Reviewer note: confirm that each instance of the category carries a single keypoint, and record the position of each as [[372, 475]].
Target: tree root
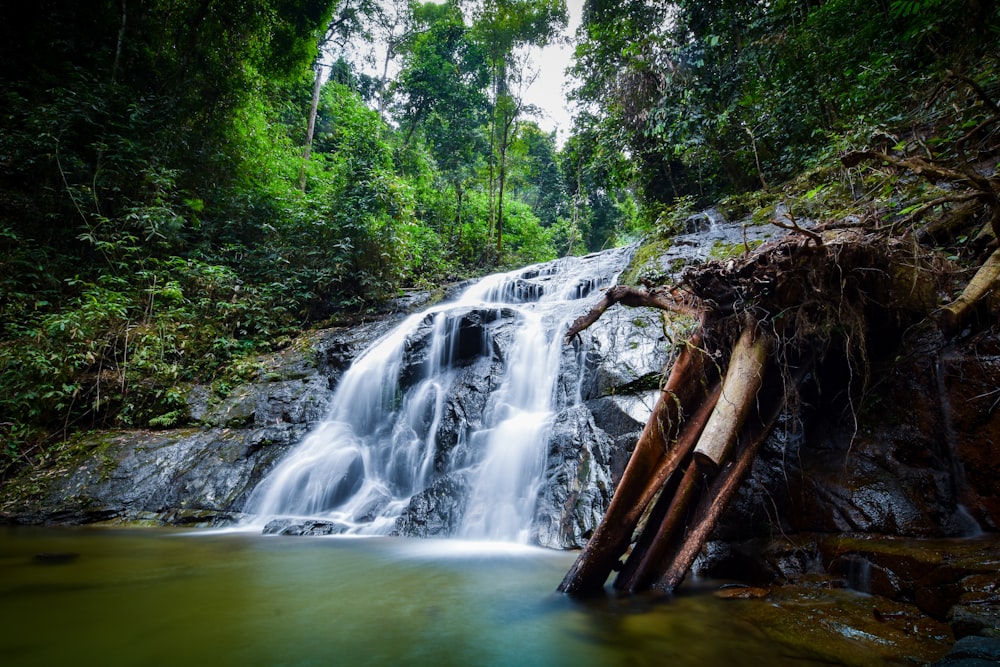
[[793, 299], [664, 299]]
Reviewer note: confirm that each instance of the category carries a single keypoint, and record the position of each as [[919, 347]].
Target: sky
[[549, 90]]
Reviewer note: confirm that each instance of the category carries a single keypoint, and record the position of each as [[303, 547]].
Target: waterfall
[[380, 445]]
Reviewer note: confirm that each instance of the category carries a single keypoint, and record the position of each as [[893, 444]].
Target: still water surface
[[156, 597]]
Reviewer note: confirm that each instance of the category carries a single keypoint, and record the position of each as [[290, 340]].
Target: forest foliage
[[187, 183]]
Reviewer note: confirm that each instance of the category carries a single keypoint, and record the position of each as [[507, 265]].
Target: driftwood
[[684, 390], [691, 432], [668, 498], [952, 317]]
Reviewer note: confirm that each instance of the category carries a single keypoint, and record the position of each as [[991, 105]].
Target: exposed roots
[[825, 296], [773, 314]]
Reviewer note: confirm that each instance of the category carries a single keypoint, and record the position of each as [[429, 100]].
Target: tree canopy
[[169, 209]]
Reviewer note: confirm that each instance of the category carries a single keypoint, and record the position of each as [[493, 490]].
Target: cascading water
[[379, 445]]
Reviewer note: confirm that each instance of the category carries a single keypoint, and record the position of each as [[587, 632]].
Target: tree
[[345, 23], [506, 28], [440, 96], [731, 95], [536, 178]]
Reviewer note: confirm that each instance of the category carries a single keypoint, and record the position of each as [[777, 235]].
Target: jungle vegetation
[[185, 184]]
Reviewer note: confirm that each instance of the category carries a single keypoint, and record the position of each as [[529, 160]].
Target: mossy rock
[[645, 263]]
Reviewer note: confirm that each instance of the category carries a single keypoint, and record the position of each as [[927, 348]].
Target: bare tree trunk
[[952, 317], [311, 126], [118, 47], [739, 394], [718, 432], [643, 563], [718, 496], [684, 390]]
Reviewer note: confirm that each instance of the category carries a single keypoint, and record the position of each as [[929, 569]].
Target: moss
[[648, 382], [723, 250], [754, 207], [644, 264]]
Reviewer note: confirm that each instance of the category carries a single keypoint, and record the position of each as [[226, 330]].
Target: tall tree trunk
[[118, 47], [311, 126]]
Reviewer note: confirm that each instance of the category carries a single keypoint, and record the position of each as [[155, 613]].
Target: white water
[[377, 447]]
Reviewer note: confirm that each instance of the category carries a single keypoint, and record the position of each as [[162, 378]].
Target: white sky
[[549, 90]]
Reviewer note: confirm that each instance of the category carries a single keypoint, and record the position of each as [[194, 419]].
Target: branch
[[793, 226], [953, 316], [933, 172], [917, 165], [927, 206], [660, 298], [986, 99]]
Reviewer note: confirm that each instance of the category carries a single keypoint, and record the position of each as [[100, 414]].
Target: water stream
[[379, 445]]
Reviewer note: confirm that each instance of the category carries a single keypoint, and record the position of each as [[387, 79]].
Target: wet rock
[[577, 487], [294, 385], [623, 347], [436, 511], [968, 390], [838, 626], [741, 592], [308, 527], [150, 476], [622, 417], [703, 221], [935, 575], [760, 561], [464, 406], [972, 652], [888, 470], [977, 611], [372, 507], [472, 337]]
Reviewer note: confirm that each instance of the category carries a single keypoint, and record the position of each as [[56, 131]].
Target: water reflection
[[155, 597]]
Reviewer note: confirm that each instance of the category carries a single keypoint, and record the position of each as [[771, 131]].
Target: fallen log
[[728, 414], [641, 568], [682, 474], [676, 458], [718, 496], [739, 392], [952, 317], [684, 390]]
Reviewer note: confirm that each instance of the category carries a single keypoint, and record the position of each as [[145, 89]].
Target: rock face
[[918, 459]]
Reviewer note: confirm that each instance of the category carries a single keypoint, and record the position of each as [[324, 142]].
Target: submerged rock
[[311, 527], [972, 652]]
